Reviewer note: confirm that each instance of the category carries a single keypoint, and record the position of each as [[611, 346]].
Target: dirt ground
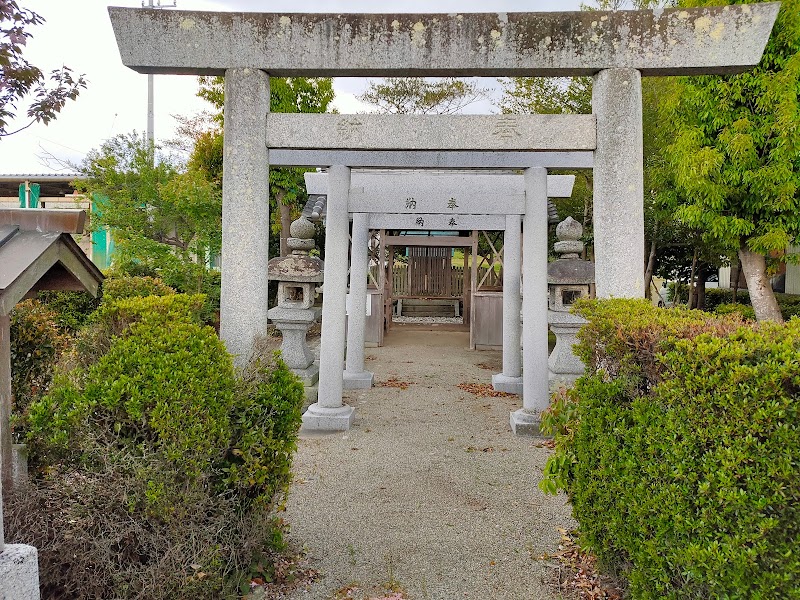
[[429, 494]]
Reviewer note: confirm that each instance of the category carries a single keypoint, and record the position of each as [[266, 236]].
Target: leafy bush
[[682, 468], [746, 312], [183, 277], [36, 344], [152, 463], [116, 288], [788, 303], [72, 308]]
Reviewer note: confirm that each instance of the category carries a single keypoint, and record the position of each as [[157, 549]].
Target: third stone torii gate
[[616, 48]]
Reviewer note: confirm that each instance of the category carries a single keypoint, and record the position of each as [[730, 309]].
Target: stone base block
[[525, 423], [320, 418], [557, 380], [504, 383], [358, 381], [309, 376], [19, 573], [19, 465], [312, 391]]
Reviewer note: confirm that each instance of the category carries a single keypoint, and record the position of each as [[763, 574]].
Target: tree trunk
[[735, 272], [690, 300], [651, 262], [286, 221], [700, 289], [761, 295]]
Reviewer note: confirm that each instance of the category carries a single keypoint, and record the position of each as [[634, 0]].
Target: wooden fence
[[401, 284]]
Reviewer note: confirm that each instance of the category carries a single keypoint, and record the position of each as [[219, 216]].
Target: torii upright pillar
[[535, 386], [328, 413], [355, 376]]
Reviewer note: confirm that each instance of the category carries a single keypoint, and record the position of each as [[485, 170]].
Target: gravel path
[[429, 489]]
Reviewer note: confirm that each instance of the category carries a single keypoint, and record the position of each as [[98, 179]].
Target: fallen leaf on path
[[483, 390], [395, 383]]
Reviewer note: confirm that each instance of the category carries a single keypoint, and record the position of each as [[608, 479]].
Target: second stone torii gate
[[497, 187], [433, 196]]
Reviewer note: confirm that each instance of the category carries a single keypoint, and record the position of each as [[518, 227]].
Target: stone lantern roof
[[298, 266]]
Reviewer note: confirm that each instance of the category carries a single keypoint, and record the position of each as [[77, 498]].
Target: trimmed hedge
[[36, 344], [680, 451], [152, 461], [788, 303]]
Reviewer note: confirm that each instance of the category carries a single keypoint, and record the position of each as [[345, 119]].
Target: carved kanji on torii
[[616, 48]]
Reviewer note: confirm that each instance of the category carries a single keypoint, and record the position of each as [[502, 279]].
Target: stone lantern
[[569, 278], [298, 275]]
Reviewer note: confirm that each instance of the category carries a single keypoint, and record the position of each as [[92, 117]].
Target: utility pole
[[150, 112]]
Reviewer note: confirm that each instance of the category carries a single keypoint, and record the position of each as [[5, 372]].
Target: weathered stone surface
[[293, 324], [245, 212], [417, 193], [525, 422], [328, 413], [355, 376], [535, 395], [423, 159], [510, 380], [320, 418], [300, 131], [558, 186], [509, 385], [618, 184], [437, 222], [19, 573], [563, 364], [296, 268], [724, 39]]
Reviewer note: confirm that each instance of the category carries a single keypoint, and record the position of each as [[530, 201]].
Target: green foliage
[[154, 460], [118, 288], [153, 209], [266, 419], [36, 345], [418, 95], [788, 303], [547, 95], [164, 381], [745, 312], [21, 78], [734, 155], [287, 95], [166, 223], [72, 309], [679, 451]]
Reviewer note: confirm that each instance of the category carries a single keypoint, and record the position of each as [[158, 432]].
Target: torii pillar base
[[524, 422], [358, 381], [504, 383], [320, 418]]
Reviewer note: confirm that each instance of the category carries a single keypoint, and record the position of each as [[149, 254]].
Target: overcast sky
[[78, 33]]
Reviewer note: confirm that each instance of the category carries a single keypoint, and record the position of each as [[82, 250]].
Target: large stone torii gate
[[616, 48]]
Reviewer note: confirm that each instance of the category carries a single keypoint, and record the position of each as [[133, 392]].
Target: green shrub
[[788, 303], [683, 471], [114, 317], [182, 277], [36, 345], [152, 463], [72, 308], [116, 288], [744, 311], [266, 417]]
